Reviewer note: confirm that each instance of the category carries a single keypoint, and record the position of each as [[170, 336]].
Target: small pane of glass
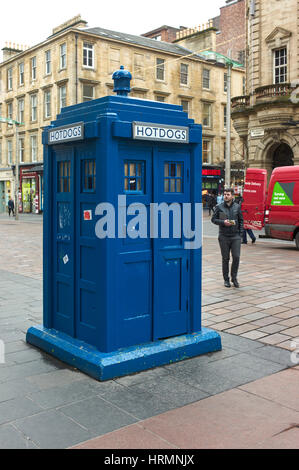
[[179, 186], [173, 169], [132, 169]]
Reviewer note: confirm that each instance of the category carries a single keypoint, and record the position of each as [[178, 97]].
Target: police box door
[[63, 240], [171, 260]]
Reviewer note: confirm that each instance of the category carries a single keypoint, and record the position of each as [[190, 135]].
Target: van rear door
[[283, 202], [254, 198]]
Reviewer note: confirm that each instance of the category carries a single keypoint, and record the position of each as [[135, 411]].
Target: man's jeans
[[230, 245]]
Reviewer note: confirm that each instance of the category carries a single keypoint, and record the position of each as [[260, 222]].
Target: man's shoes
[[244, 243], [235, 283], [253, 241], [227, 284]]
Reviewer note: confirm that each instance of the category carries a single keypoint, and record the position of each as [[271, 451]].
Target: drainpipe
[[76, 66]]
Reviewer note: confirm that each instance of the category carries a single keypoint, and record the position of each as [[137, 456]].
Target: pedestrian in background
[[250, 233], [220, 199], [11, 207], [228, 216], [212, 202]]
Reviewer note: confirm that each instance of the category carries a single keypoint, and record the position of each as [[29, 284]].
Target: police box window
[[134, 177], [160, 69], [64, 177], [88, 176], [173, 177]]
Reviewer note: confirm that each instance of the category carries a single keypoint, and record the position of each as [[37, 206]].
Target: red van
[[281, 202], [254, 198]]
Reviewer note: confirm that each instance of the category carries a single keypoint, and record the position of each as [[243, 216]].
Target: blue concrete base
[[106, 366]]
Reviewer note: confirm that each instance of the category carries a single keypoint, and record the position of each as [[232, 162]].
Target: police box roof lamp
[[122, 79]]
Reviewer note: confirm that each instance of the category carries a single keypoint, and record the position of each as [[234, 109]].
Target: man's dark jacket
[[11, 204], [225, 212]]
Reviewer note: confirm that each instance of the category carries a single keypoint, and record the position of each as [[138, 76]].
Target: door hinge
[[187, 265], [187, 305]]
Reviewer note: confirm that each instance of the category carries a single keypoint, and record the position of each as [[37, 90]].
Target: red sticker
[[87, 215]]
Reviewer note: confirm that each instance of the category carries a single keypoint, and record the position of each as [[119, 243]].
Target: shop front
[[6, 189], [31, 185], [212, 181]]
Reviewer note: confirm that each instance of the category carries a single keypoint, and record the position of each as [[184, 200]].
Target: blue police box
[[120, 298]]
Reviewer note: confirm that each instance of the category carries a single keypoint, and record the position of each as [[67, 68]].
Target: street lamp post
[[17, 124], [221, 59], [228, 126]]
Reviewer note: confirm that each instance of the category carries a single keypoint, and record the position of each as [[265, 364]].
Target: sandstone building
[[265, 116], [75, 64]]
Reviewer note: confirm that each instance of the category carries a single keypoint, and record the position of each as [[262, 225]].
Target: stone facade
[[76, 64], [263, 117]]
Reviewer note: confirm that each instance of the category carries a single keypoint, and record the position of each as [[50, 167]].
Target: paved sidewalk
[[245, 395]]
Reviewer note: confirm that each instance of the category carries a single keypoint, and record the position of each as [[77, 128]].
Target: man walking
[[228, 216], [11, 207]]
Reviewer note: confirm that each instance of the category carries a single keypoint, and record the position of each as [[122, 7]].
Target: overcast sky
[[29, 22]]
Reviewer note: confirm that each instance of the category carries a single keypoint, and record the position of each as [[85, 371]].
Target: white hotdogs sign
[[64, 134], [159, 132]]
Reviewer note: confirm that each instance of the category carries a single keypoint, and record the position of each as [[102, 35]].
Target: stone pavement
[[244, 396]]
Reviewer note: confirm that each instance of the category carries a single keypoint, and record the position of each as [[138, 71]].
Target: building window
[[241, 57], [64, 177], [134, 177], [9, 152], [10, 112], [225, 83], [33, 68], [33, 108], [21, 149], [48, 62], [224, 117], [160, 98], [47, 104], [1, 153], [244, 85], [62, 97], [89, 176], [206, 79], [21, 73], [63, 56], [88, 55], [280, 65], [158, 38], [160, 69], [114, 60], [184, 74], [9, 79], [185, 105], [21, 106], [33, 144], [206, 115], [88, 92], [173, 177], [139, 66], [207, 151]]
